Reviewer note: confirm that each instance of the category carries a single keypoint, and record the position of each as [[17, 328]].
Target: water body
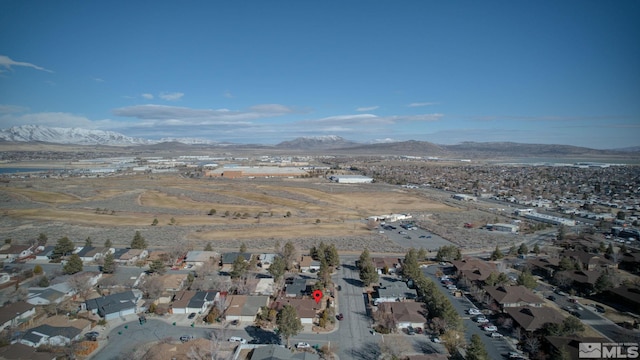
[[24, 170]]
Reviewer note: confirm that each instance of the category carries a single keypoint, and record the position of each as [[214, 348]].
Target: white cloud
[[421, 104], [99, 80], [228, 94], [174, 96], [10, 109], [368, 108], [7, 62], [147, 96], [55, 119]]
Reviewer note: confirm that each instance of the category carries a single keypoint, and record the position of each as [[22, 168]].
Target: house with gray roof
[[15, 314], [115, 305], [53, 294], [297, 288], [227, 259], [50, 335], [392, 291]]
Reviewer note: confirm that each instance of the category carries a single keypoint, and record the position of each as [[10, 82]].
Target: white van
[[237, 339]]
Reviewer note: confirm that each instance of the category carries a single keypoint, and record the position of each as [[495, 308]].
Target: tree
[[42, 239], [496, 254], [43, 282], [572, 325], [289, 254], [73, 265], [476, 349], [603, 283], [621, 215], [513, 250], [154, 222], [88, 242], [331, 254], [536, 249], [523, 249], [243, 248], [239, 268], [565, 264], [109, 264], [212, 212], [452, 339], [157, 266], [138, 241], [422, 254], [277, 268], [448, 253], [324, 274], [208, 247], [108, 244], [37, 270], [64, 247], [562, 232], [527, 280], [151, 287], [80, 283], [368, 272], [288, 322]]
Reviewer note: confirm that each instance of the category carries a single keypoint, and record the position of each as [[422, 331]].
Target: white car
[[303, 345], [237, 339], [496, 335], [482, 320], [436, 339], [473, 311], [491, 328]]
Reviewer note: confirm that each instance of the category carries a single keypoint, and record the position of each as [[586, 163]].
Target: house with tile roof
[[533, 318], [306, 308], [405, 314], [244, 308], [474, 270]]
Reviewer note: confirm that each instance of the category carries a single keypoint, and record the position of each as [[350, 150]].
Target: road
[[496, 348]]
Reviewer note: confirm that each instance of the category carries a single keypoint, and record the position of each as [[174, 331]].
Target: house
[[392, 291], [63, 321], [533, 318], [265, 260], [630, 261], [53, 294], [227, 259], [44, 252], [199, 258], [15, 252], [277, 352], [49, 335], [474, 270], [307, 264], [628, 296], [589, 261], [90, 254], [186, 302], [23, 352], [118, 253], [12, 315], [244, 308], [543, 266], [131, 256], [387, 265], [306, 308], [583, 281], [405, 314], [264, 286], [173, 282], [297, 288], [158, 255], [115, 305], [512, 296]]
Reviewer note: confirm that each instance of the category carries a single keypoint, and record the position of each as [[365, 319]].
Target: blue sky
[[562, 72]]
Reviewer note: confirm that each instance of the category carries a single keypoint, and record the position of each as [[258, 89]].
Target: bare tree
[[80, 283], [152, 286], [394, 349]]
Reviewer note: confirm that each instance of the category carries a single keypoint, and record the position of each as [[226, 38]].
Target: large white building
[[351, 179], [549, 219]]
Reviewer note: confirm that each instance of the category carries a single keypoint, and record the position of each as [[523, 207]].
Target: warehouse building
[[233, 172], [351, 179]]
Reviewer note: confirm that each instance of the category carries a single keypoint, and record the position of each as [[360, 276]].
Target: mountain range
[[78, 136]]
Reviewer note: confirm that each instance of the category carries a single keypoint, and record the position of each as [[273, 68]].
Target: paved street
[[496, 348]]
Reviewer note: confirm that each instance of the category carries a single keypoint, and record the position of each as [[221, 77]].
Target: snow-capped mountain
[[76, 136]]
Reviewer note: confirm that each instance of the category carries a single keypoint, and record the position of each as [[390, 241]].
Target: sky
[[547, 72]]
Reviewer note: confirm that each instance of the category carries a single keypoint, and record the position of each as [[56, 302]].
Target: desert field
[[193, 212]]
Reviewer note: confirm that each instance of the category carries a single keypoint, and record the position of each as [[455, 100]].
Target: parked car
[[303, 345], [419, 330], [600, 308], [92, 336], [496, 335], [491, 328], [185, 338], [237, 339], [482, 320], [340, 316], [473, 311], [411, 330], [551, 297], [191, 316], [436, 339]]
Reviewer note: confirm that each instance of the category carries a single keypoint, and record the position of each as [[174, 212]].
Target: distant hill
[[316, 143], [411, 147], [523, 150], [71, 136]]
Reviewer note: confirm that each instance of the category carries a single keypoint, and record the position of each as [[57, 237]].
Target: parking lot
[[416, 238]]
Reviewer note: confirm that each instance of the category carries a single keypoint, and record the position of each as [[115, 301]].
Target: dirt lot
[[258, 212]]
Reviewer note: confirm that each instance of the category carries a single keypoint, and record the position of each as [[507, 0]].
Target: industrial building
[[233, 172], [464, 197], [510, 228], [351, 179], [555, 220]]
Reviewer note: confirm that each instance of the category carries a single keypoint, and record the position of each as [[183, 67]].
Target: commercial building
[[351, 179], [510, 228], [233, 172]]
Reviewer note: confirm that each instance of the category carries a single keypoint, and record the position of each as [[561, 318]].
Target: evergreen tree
[[523, 249], [476, 349], [422, 254], [138, 241], [603, 283], [88, 242], [239, 268], [243, 248], [208, 247], [562, 232], [513, 250], [277, 268], [108, 244], [42, 239], [73, 265], [289, 254], [157, 267], [526, 279], [368, 272], [109, 264], [536, 249], [64, 247], [496, 254], [288, 322], [331, 254]]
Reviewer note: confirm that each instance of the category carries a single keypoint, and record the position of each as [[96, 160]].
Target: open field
[[259, 212]]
